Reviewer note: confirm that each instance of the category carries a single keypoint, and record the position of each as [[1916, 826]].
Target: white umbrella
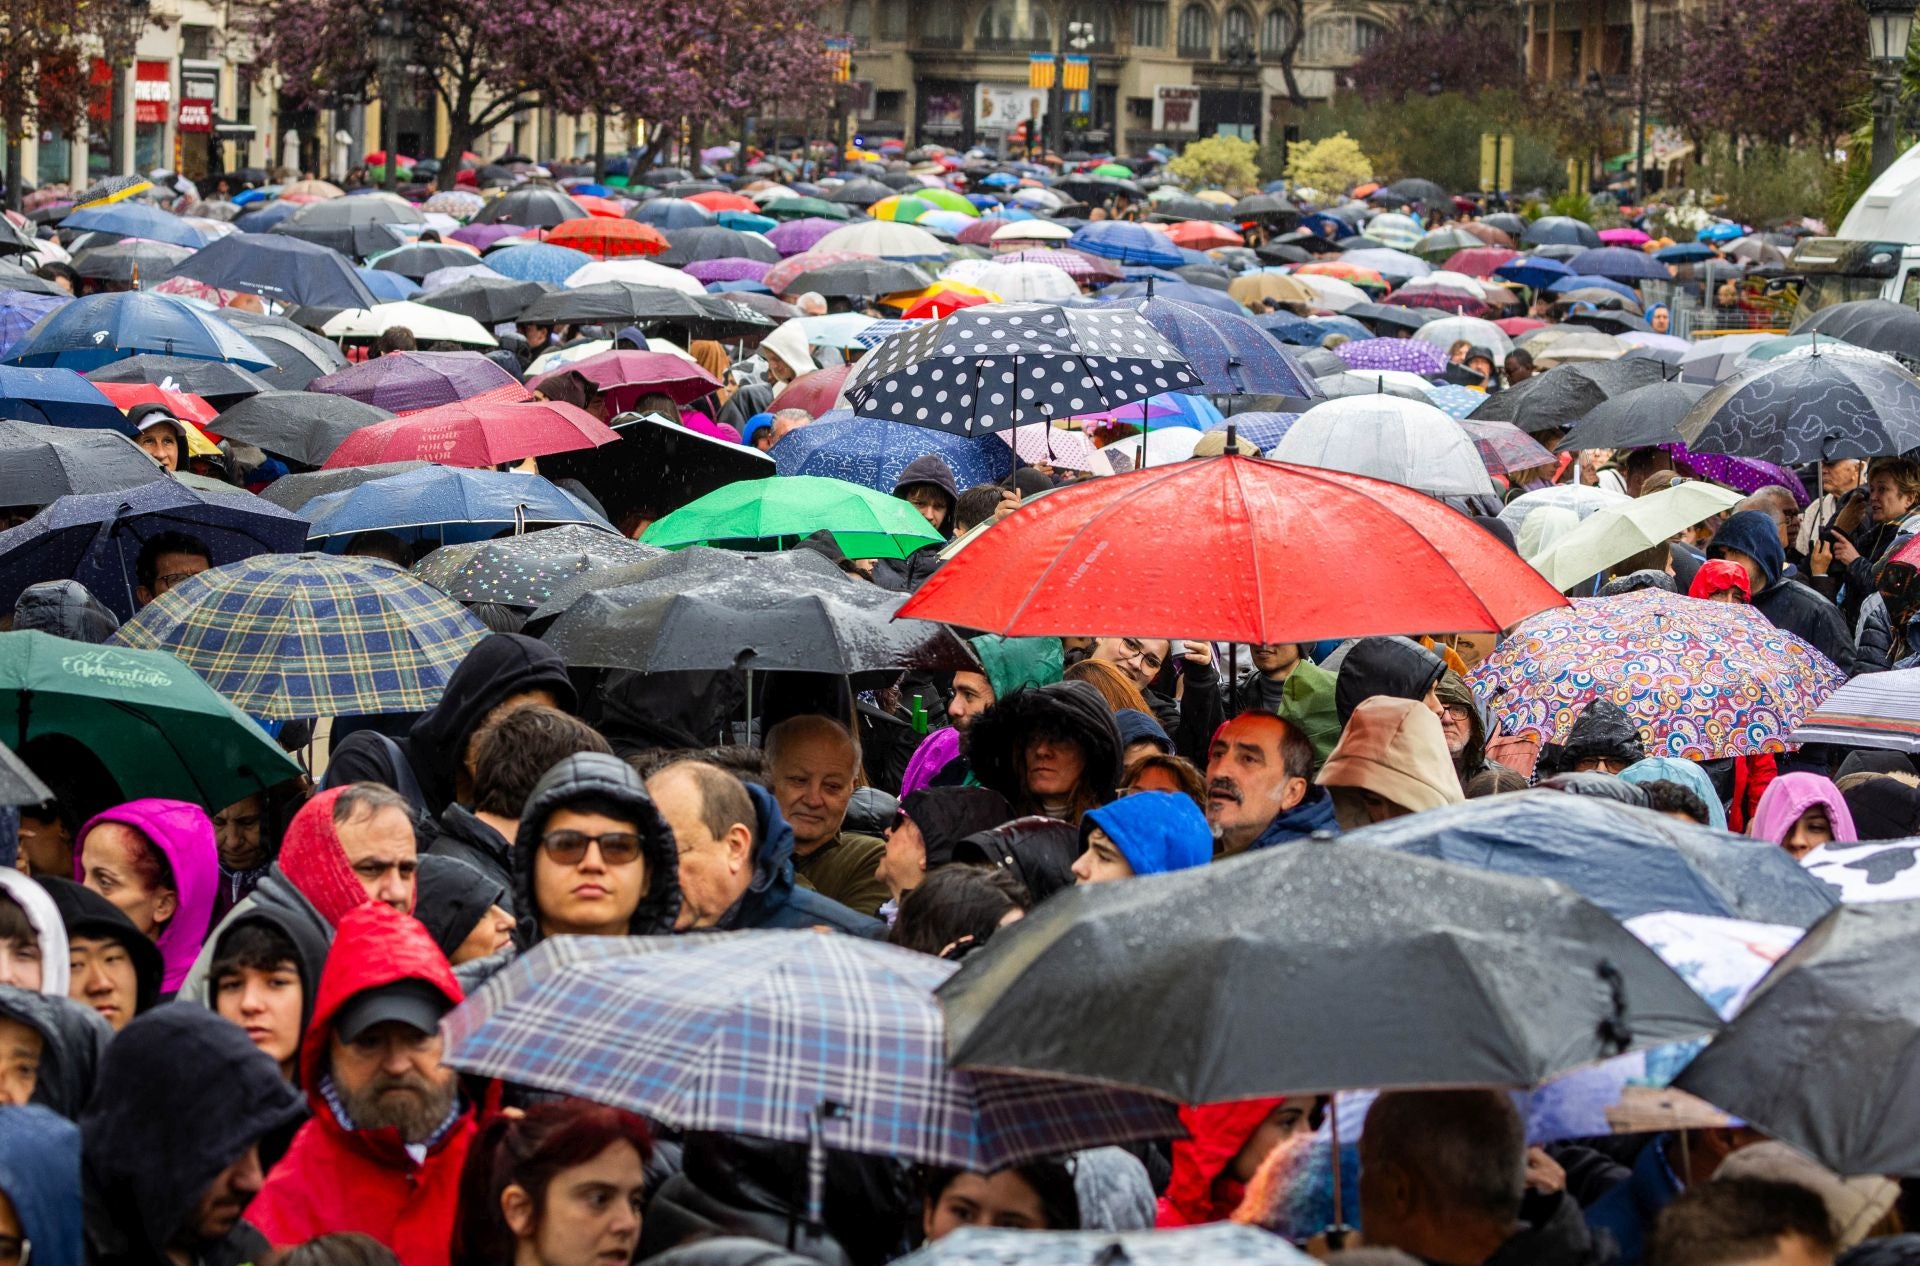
[[1450, 330], [1165, 445], [1394, 229], [1389, 382], [1573, 348], [1582, 499], [1441, 279], [1027, 281], [965, 270], [1623, 529], [1032, 231], [639, 272], [884, 238], [1332, 293], [1403, 441], [427, 324]]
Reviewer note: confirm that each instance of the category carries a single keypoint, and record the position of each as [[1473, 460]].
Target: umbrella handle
[[817, 1163], [1615, 1031]]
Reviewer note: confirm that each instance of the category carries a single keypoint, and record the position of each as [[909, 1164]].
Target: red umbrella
[[1514, 327], [814, 392], [181, 404], [607, 239], [624, 376], [606, 207], [980, 232], [946, 303], [717, 201], [474, 433], [1203, 235], [1252, 564], [1479, 261]]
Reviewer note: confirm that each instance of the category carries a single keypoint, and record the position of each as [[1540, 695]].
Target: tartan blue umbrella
[[538, 261], [309, 635], [20, 312], [442, 503], [136, 219], [1231, 355], [1619, 264], [104, 328], [1128, 243], [279, 267], [1534, 271], [1264, 429], [95, 538], [58, 397], [873, 452], [755, 1033]]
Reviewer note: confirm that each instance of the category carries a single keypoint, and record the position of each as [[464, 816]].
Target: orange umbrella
[[716, 201], [607, 239], [944, 303], [1361, 191], [1203, 235], [1346, 272]]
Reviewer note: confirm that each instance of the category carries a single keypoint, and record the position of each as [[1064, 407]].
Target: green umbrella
[[1113, 169], [947, 200], [801, 208], [158, 728], [776, 513]]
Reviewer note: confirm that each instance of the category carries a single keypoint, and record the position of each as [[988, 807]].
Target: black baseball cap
[[414, 1003]]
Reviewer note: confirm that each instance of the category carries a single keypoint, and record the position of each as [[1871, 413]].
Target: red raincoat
[[1200, 1189], [334, 1179]]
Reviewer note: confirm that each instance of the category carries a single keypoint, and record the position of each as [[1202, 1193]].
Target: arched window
[[1196, 31], [1236, 30], [1366, 33], [1275, 33], [1341, 38], [1098, 15], [1007, 23]]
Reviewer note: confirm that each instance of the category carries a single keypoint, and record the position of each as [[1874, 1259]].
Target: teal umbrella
[[776, 513]]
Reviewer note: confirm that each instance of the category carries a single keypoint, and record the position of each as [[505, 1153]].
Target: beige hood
[[1395, 749]]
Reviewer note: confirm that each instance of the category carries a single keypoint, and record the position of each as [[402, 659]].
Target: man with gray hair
[[787, 420], [812, 303], [814, 765], [1444, 1177]]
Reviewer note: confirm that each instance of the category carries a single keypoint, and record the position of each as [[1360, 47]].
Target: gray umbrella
[[290, 492], [1823, 1053], [18, 784], [41, 463], [488, 300], [1835, 403], [1218, 1244], [214, 381], [713, 241], [302, 426], [1636, 419], [1566, 393], [1314, 967], [860, 277]]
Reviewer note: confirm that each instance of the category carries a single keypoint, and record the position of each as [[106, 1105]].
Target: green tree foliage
[[1220, 162], [1439, 137], [1331, 164]]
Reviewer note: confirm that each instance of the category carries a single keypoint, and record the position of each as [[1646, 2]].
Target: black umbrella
[[39, 464], [860, 193], [215, 381], [358, 239], [713, 610], [1173, 210], [290, 492], [1879, 325], [488, 300], [415, 260], [1312, 243], [129, 260], [1822, 1054], [1317, 967], [1636, 419], [1008, 364], [861, 277], [687, 188], [1561, 230], [1096, 189], [1610, 321], [1211, 276], [1507, 222], [662, 176], [521, 571], [1282, 253], [1414, 189], [13, 277], [1264, 206], [685, 246], [533, 208], [279, 267], [1392, 316], [302, 426], [1566, 393], [298, 355], [18, 784], [1835, 403], [657, 467], [704, 316]]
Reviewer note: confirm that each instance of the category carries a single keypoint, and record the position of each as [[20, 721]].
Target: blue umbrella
[[1532, 271], [1232, 355], [20, 312], [136, 219], [265, 218], [58, 397], [1340, 324], [538, 261], [1454, 400], [1560, 230], [1184, 290], [593, 190], [279, 267], [1620, 264], [1562, 285], [1128, 243], [672, 213], [247, 197], [1686, 253], [1000, 180], [104, 328], [1326, 224], [1263, 429], [1722, 232], [385, 286], [442, 503], [746, 221], [95, 538], [1139, 273], [1294, 330], [738, 287], [873, 452]]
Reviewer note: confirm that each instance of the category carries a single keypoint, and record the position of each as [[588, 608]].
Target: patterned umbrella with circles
[[1008, 364], [1406, 354]]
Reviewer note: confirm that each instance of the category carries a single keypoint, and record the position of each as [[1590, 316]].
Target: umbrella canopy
[[873, 453], [308, 635], [1127, 243], [1636, 419], [854, 277], [39, 464], [658, 466], [1229, 354], [1085, 557], [1702, 680], [443, 504], [487, 300], [1006, 364], [532, 208], [1618, 263], [429, 324], [1026, 281], [407, 381], [1878, 325], [1824, 406], [302, 426], [353, 226], [601, 238], [799, 236], [20, 312], [129, 260], [1873, 710], [215, 381], [416, 259], [1613, 855], [522, 571], [95, 538], [746, 1033], [886, 240], [475, 433], [1617, 532], [298, 354], [57, 397], [684, 246], [291, 492], [625, 376], [1219, 1242], [156, 726], [1503, 447], [1406, 442], [1563, 395], [671, 213], [774, 513], [1846, 1001], [135, 219], [537, 261], [102, 328], [18, 784], [1446, 332], [1561, 230], [1407, 355], [1444, 977]]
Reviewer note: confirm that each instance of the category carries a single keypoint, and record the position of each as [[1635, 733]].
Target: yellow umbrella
[[907, 298], [1278, 286]]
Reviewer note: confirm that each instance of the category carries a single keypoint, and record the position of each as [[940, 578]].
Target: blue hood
[[40, 1175], [1753, 533], [772, 899], [1677, 769], [1315, 813], [1156, 831]]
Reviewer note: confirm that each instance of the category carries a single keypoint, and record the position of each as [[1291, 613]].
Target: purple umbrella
[[481, 236], [1078, 265], [1745, 474], [403, 381], [20, 311], [730, 269], [796, 236], [1408, 354]]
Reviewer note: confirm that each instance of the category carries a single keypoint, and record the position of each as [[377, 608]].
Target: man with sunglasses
[[593, 857]]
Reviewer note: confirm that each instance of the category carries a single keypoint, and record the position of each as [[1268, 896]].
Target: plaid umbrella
[[1078, 265], [521, 571], [310, 635], [1703, 680], [1262, 428], [756, 1032], [1406, 354]]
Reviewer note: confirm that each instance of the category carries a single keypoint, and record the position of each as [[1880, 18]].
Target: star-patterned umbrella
[[1008, 364], [521, 571]]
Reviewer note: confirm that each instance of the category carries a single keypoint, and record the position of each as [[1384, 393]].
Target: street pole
[[1640, 125], [1889, 31]]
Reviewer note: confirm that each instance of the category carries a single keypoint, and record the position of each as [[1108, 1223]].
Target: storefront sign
[[152, 91], [1001, 107], [1176, 108], [196, 116]]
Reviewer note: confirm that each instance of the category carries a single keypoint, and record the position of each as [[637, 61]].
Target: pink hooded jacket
[[1790, 795], [182, 832]]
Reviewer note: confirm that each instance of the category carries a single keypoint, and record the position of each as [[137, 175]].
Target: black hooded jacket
[[997, 743], [611, 781], [73, 1039], [465, 838], [1603, 729], [947, 815], [1037, 851], [905, 575], [64, 608], [450, 897], [1397, 667], [182, 1094], [1787, 604], [500, 666], [85, 912]]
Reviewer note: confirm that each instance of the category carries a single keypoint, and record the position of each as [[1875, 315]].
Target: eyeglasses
[[1134, 648], [14, 1251], [617, 848], [163, 583]]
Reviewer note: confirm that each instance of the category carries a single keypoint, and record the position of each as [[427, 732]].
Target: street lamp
[[1889, 28], [1242, 59], [393, 49], [120, 27], [1594, 93]]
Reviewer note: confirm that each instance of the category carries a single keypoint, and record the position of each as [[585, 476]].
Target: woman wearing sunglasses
[[593, 856]]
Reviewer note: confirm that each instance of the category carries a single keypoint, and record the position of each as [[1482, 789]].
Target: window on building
[[1276, 32], [860, 21], [940, 25], [243, 81], [893, 20], [1011, 22], [1150, 24], [1236, 30], [1096, 14], [890, 105], [1196, 31], [1366, 33], [196, 42]]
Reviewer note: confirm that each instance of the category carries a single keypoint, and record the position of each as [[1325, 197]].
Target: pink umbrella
[[1624, 237], [980, 232], [476, 434], [1050, 446], [1078, 265], [485, 235], [782, 274], [626, 375], [1479, 261], [401, 381], [1406, 354]]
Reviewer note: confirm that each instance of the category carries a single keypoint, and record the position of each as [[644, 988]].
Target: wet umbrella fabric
[[291, 492], [475, 433], [532, 208], [1407, 442], [538, 261], [1879, 325], [299, 355], [657, 467], [773, 513], [39, 464], [1827, 406], [102, 328], [128, 260], [302, 426], [1565, 394], [684, 246], [488, 300], [285, 268], [444, 504], [859, 277], [1614, 855], [136, 219], [58, 397], [353, 226], [1230, 355], [214, 381], [18, 784], [624, 376], [405, 381], [874, 454], [522, 571], [1636, 419], [308, 635], [1216, 1244], [1444, 976]]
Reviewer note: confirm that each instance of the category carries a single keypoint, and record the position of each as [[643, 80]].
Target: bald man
[[814, 765]]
